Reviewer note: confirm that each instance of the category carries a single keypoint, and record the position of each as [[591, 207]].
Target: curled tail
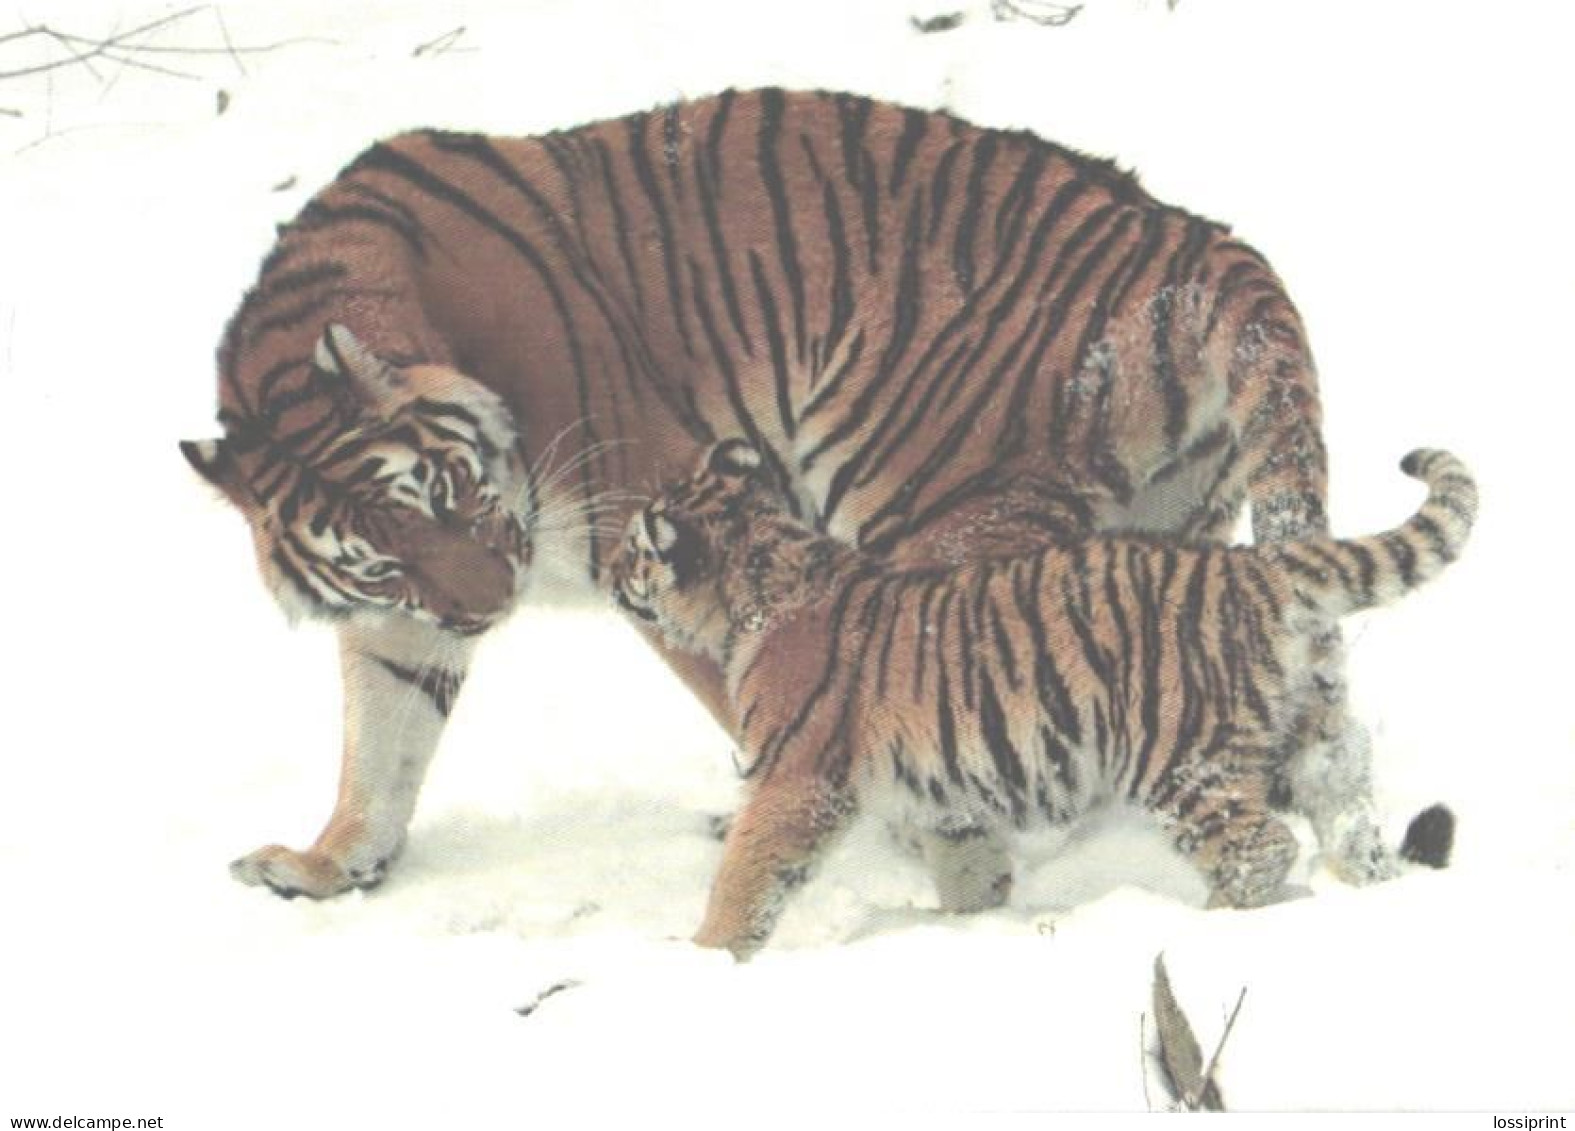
[[1333, 577]]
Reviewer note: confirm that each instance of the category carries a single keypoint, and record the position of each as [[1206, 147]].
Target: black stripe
[[640, 158], [717, 131], [709, 190], [1004, 756], [730, 383], [946, 726], [318, 215], [440, 686], [1148, 597], [841, 281], [921, 644], [1003, 646], [620, 223], [775, 344], [914, 125], [859, 167], [940, 188], [1012, 212], [1049, 685], [1403, 554], [417, 234], [771, 103], [1078, 608], [983, 156], [1435, 536]]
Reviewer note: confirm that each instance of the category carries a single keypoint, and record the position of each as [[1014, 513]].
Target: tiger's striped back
[[899, 310]]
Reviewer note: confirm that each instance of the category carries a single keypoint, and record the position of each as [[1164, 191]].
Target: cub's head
[[675, 554], [373, 488]]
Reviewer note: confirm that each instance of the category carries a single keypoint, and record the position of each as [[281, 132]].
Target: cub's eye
[[381, 570]]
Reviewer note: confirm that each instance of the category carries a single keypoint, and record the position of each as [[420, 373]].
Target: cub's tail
[[1331, 577]]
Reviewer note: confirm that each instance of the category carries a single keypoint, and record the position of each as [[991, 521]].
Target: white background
[[1405, 165]]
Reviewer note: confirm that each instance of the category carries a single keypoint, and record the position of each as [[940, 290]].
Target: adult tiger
[[945, 341]]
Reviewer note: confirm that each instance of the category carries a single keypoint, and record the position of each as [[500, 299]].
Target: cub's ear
[[735, 458], [213, 460], [377, 385]]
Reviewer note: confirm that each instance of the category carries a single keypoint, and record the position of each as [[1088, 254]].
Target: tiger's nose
[[461, 579]]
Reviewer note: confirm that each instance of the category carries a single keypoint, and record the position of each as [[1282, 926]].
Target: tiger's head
[[669, 571], [402, 490]]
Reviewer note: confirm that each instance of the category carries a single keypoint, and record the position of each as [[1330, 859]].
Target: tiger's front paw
[[289, 873], [1360, 857]]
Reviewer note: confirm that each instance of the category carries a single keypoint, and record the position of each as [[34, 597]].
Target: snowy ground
[[1407, 168]]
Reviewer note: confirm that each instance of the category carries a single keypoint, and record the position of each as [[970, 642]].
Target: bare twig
[[130, 49], [95, 48], [229, 44], [1208, 1073], [1044, 12], [535, 1003], [78, 56], [1148, 1103], [441, 45]]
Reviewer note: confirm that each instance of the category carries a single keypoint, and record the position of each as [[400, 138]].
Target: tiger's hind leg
[[400, 682], [970, 866], [1219, 817], [1329, 773], [1274, 404], [772, 848], [1327, 768]]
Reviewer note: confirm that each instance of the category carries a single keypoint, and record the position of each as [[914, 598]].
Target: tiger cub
[[1005, 692]]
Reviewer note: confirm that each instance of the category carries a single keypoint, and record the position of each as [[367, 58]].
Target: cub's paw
[[1363, 858], [289, 873]]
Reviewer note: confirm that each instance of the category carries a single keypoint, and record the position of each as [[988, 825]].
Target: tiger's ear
[[213, 460], [736, 458], [378, 385]]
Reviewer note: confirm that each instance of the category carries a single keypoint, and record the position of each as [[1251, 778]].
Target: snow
[[1406, 168]]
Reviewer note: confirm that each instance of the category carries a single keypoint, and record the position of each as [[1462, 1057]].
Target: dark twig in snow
[[229, 44], [442, 45], [1043, 12], [94, 48], [945, 21], [1230, 1023], [1148, 1103], [131, 48], [535, 1003]]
